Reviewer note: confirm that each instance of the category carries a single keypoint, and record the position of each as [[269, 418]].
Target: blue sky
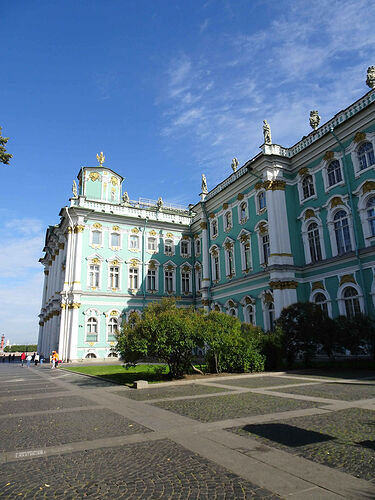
[[168, 89]]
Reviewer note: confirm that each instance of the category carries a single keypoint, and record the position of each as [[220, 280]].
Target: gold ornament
[[153, 232], [309, 213], [169, 235], [275, 185], [359, 137], [240, 196], [225, 206], [303, 171], [317, 285], [79, 228], [94, 176], [328, 156], [95, 261], [100, 157], [133, 263], [336, 201], [368, 186], [135, 230], [347, 278], [113, 313], [203, 225], [115, 228], [114, 181], [97, 225]]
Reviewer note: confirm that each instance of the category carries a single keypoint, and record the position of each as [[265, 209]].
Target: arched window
[[351, 301], [215, 264], [370, 207], [232, 312], [198, 277], [228, 220], [197, 247], [112, 328], [271, 315], [243, 213], [342, 233], [261, 200], [366, 156], [250, 314], [168, 247], [92, 330], [90, 355], [334, 173], [133, 278], [314, 242], [321, 301], [308, 187], [214, 229], [265, 241]]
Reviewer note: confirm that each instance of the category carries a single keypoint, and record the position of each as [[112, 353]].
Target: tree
[[4, 156]]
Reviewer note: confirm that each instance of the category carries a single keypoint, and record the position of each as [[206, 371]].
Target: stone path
[[66, 435]]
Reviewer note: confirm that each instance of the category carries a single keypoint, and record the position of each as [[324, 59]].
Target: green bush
[[21, 348]]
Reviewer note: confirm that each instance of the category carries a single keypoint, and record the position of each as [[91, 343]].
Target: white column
[[205, 266], [74, 326], [77, 257], [278, 229]]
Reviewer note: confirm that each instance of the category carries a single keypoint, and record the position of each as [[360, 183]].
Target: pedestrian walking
[[23, 357], [28, 360], [53, 360], [41, 359], [9, 358], [13, 358], [36, 359]]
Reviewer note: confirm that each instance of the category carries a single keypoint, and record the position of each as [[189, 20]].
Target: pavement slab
[[347, 391], [170, 392]]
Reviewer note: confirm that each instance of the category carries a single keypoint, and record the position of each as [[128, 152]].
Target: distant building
[[291, 224]]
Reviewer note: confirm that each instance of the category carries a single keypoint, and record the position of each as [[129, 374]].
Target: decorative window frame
[[186, 240], [152, 235], [112, 313], [153, 265], [333, 207], [353, 148], [324, 166], [134, 264], [94, 259], [262, 230], [306, 218], [228, 246], [215, 252], [215, 306], [170, 266], [131, 311], [135, 233], [365, 191], [92, 312], [198, 269], [302, 177], [197, 252], [229, 306], [245, 237], [267, 298], [98, 228], [214, 221], [246, 303], [186, 268], [114, 230], [228, 227], [114, 261], [341, 300], [241, 202], [169, 237], [324, 292], [258, 209]]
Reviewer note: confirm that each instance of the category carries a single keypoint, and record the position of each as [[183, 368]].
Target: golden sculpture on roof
[[100, 157]]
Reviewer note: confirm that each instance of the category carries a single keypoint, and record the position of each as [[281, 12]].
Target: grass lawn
[[125, 376]]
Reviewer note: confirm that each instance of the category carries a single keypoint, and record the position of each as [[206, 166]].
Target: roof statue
[[204, 184], [234, 164], [74, 189], [371, 77], [267, 132], [160, 202], [125, 197], [100, 158], [314, 119]]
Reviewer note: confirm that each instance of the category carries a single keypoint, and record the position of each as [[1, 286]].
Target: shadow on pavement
[[287, 435]]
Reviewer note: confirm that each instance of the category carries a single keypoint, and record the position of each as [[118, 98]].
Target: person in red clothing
[[23, 357]]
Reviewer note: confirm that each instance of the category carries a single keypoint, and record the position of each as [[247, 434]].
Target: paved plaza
[[65, 435]]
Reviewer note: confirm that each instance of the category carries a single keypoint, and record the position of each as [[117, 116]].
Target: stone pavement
[[66, 435]]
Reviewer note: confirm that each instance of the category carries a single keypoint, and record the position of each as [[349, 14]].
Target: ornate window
[[342, 233], [365, 155], [313, 237], [184, 248], [92, 330], [214, 228], [321, 301], [245, 248], [265, 245], [151, 280], [261, 201], [334, 174], [308, 187], [197, 247], [370, 208], [215, 264], [249, 314], [133, 278], [168, 247], [185, 280], [228, 220], [230, 270], [94, 275], [112, 328], [134, 242], [198, 277], [243, 212], [168, 280], [270, 311], [351, 302], [151, 244], [114, 277], [115, 240], [96, 238]]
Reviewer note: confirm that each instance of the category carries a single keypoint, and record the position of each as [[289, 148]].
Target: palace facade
[[291, 224]]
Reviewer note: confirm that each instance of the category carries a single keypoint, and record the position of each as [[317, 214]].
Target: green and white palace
[[291, 224]]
